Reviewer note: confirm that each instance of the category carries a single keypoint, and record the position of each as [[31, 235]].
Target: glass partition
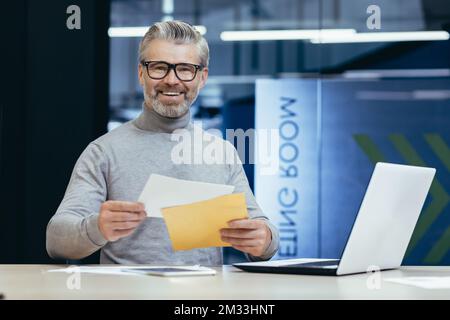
[[370, 80]]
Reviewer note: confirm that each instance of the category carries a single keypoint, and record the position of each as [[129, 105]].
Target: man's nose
[[171, 78]]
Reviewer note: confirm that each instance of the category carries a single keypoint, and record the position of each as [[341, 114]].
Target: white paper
[[97, 270], [174, 271], [423, 282], [118, 270], [161, 191]]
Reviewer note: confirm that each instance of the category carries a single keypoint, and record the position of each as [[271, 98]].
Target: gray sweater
[[116, 166]]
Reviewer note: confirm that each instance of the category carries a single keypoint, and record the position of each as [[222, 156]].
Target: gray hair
[[180, 33]]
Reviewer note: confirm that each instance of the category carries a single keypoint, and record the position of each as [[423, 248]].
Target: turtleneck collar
[[150, 120]]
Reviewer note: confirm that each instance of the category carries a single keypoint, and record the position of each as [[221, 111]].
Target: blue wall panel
[[401, 121], [344, 133]]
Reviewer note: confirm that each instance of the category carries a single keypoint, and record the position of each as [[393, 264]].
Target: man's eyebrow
[[158, 60]]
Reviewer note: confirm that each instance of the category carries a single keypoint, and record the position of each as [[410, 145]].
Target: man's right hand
[[118, 219]]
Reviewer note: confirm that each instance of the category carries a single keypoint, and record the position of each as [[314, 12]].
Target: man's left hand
[[252, 236]]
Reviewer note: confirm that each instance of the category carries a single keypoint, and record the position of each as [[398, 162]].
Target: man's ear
[[204, 77], [141, 74]]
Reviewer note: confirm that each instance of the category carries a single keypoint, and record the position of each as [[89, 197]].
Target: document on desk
[[117, 270], [423, 282], [139, 270], [174, 271], [161, 191], [197, 225]]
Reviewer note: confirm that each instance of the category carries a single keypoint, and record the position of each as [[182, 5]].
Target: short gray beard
[[169, 111]]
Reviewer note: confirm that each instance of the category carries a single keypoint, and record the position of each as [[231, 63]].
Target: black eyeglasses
[[158, 70]]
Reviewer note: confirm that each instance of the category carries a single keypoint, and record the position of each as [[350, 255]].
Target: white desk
[[34, 282]]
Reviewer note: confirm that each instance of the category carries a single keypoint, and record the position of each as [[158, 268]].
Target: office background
[[384, 99]]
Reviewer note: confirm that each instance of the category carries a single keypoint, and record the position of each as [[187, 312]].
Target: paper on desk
[[161, 191], [97, 270], [423, 282], [197, 225], [116, 270]]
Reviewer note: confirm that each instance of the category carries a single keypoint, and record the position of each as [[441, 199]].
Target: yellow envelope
[[197, 225]]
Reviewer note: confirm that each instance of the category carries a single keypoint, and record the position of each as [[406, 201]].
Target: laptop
[[382, 229]]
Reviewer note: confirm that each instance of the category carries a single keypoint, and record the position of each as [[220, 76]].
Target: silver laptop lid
[[387, 217]]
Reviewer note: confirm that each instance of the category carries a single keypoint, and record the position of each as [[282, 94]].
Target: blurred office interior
[[377, 90]]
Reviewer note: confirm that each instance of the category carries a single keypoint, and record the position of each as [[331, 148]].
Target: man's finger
[[124, 206], [142, 215], [123, 233], [241, 233], [122, 216], [243, 242], [246, 223], [125, 225]]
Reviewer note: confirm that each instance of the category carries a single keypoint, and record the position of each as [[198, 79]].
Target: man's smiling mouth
[[170, 93]]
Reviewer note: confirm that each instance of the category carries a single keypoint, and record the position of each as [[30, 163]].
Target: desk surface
[[34, 282]]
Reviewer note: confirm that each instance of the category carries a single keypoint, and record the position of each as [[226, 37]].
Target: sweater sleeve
[[239, 179], [72, 232]]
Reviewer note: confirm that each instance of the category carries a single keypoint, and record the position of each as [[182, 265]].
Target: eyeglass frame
[[172, 66]]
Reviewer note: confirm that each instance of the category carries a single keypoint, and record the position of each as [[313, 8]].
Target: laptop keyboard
[[317, 264]]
